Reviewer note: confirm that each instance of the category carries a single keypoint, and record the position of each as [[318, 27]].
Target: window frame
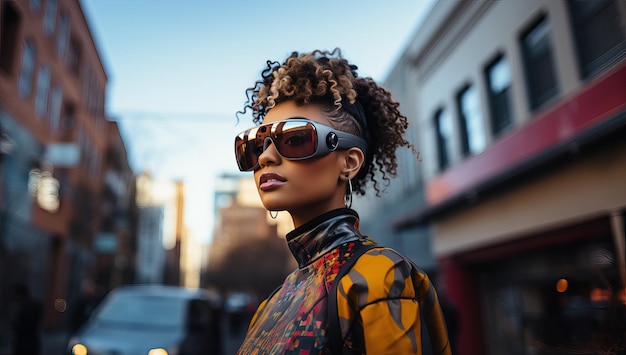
[[472, 142], [580, 28], [56, 105], [49, 17], [499, 123], [63, 36], [27, 69], [42, 91], [444, 144], [532, 74]]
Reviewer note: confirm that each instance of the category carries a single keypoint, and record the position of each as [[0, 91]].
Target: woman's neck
[[302, 215]]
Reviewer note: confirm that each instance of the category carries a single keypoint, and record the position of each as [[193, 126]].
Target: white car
[[151, 320]]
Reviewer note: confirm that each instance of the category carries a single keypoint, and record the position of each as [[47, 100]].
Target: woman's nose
[[270, 155]]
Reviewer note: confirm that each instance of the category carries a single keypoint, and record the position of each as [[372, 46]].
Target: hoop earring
[[347, 198], [273, 214]]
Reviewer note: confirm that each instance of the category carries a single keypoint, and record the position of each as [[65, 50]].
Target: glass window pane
[[141, 310], [63, 36], [538, 63], [25, 81], [49, 19], [443, 126], [472, 120], [43, 86], [73, 56], [499, 82], [56, 99], [599, 33], [499, 76]]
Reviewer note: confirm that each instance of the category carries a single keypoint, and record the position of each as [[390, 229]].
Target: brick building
[[64, 175]]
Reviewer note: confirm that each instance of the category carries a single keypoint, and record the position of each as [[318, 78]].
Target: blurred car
[[239, 302], [239, 307], [151, 320]]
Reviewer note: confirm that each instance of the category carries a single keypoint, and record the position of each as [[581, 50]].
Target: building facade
[[54, 138], [115, 244], [519, 111], [242, 223], [161, 234]]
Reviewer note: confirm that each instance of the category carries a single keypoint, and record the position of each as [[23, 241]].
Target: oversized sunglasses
[[294, 139]]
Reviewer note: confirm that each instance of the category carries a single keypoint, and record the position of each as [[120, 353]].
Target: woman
[[324, 133]]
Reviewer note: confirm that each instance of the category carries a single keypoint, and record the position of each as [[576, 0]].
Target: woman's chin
[[273, 206]]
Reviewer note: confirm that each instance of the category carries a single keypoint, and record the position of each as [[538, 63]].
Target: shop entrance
[[560, 299]]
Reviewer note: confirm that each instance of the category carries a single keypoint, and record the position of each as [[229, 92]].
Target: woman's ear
[[353, 160]]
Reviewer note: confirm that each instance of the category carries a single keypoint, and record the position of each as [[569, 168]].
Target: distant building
[[519, 111], [54, 139], [160, 230], [240, 214], [240, 217], [150, 253]]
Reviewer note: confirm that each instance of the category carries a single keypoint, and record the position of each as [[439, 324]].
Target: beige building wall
[[452, 51], [588, 188], [481, 31]]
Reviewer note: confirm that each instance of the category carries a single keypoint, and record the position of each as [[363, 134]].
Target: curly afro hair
[[327, 79]]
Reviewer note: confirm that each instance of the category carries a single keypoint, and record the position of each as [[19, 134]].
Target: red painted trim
[[462, 290], [594, 104]]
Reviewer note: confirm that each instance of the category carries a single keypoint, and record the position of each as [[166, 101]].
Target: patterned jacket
[[378, 301]]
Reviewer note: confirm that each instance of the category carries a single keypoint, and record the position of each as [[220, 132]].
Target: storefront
[[554, 291], [23, 247]]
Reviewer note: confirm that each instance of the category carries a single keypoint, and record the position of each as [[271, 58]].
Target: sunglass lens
[[292, 139], [296, 142], [247, 153]]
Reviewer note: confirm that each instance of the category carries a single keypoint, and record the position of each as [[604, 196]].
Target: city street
[[55, 343]]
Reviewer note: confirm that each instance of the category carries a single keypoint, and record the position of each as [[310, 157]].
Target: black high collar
[[317, 236]]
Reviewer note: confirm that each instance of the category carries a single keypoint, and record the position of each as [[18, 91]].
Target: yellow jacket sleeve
[[379, 304]]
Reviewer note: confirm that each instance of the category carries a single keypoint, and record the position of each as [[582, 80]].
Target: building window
[[599, 34], [67, 120], [470, 122], [443, 130], [35, 5], [43, 86], [25, 81], [49, 17], [56, 103], [86, 76], [539, 64], [9, 24], [73, 56], [63, 35], [498, 75]]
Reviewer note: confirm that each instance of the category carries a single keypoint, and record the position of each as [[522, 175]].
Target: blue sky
[[178, 70]]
